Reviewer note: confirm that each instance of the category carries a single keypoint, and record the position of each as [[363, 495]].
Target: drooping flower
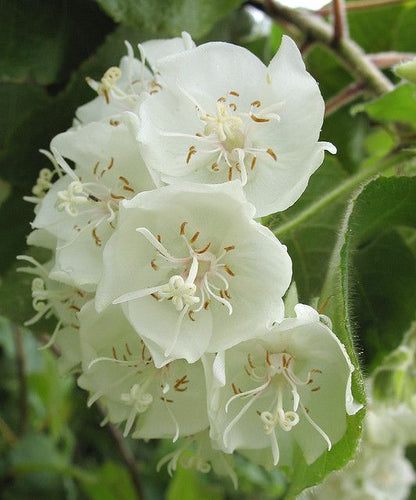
[[293, 384], [119, 371], [225, 116], [80, 208], [193, 271], [122, 87]]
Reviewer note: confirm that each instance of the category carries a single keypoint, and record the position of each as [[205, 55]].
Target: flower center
[[228, 128], [277, 379]]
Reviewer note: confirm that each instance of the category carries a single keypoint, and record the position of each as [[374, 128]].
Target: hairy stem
[[396, 159], [350, 54], [340, 21], [344, 97]]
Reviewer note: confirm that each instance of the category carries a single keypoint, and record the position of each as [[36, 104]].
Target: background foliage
[[51, 445]]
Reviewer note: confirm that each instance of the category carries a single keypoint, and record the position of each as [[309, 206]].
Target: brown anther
[[110, 165], [128, 349], [112, 225], [272, 154], [191, 152], [227, 294], [96, 238], [181, 381], [194, 237], [214, 167], [93, 198], [229, 248], [233, 92], [221, 99], [315, 389], [114, 123], [237, 166], [191, 315], [233, 106], [250, 361], [114, 353], [124, 357], [253, 162], [124, 179], [106, 96], [235, 389], [268, 358], [198, 134], [256, 104], [154, 265], [228, 270], [81, 294], [206, 304], [203, 250], [143, 351], [155, 296], [182, 230], [94, 170], [257, 119], [230, 173], [74, 308], [153, 92], [307, 410], [258, 413], [221, 294], [310, 381], [117, 196], [64, 301], [159, 238], [166, 400], [74, 326], [247, 371], [128, 188], [316, 370]]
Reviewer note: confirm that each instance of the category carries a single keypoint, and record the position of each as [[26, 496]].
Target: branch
[[362, 5], [389, 59], [344, 97], [350, 54], [21, 373], [340, 21]]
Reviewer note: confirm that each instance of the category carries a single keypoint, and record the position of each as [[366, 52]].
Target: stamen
[[258, 119], [182, 230], [194, 237], [271, 153], [228, 270]]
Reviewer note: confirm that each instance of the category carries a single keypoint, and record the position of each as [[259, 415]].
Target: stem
[[125, 453], [340, 21], [21, 372], [394, 159], [344, 97], [388, 59], [350, 54], [361, 5]]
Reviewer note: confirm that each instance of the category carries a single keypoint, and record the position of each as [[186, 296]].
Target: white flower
[[292, 384], [193, 271], [119, 371], [224, 116], [122, 87], [80, 208]]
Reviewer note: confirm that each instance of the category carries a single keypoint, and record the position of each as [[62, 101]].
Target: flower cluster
[[168, 292]]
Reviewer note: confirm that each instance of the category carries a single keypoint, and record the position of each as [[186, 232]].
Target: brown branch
[[125, 453], [362, 5], [21, 373], [344, 97], [349, 53], [340, 21], [389, 59]]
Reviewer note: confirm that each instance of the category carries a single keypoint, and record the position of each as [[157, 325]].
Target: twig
[[344, 97], [350, 54], [361, 5], [340, 21], [388, 59], [125, 453], [21, 373]]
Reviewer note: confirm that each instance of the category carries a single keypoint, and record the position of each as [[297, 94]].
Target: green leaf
[[108, 482], [169, 18], [187, 484], [398, 105], [41, 43], [310, 243], [404, 33], [384, 272]]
